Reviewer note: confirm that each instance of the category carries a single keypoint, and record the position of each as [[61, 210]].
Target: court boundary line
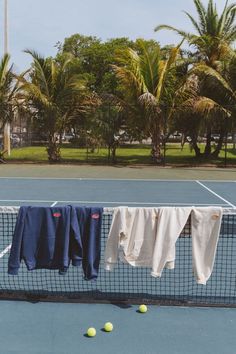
[[6, 250], [118, 179], [216, 195], [107, 202]]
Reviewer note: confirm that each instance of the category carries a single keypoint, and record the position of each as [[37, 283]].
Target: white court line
[[215, 194], [7, 249], [26, 201], [103, 202], [53, 204], [115, 179]]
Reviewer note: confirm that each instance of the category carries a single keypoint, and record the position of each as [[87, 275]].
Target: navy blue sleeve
[[92, 242], [59, 218], [77, 226], [15, 253]]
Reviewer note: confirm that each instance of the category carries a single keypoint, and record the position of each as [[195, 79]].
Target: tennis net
[[126, 283]]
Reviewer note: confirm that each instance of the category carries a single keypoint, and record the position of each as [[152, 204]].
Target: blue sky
[[40, 24]]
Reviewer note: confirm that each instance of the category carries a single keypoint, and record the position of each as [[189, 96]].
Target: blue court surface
[[48, 328], [105, 192]]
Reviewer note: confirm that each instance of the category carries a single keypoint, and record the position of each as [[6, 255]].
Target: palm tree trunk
[[156, 153], [156, 143], [113, 154], [53, 149], [216, 152], [195, 147], [234, 137], [207, 150], [109, 153]]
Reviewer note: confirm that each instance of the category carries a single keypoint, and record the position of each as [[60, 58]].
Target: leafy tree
[[207, 111], [95, 58], [198, 115], [53, 90], [107, 124], [220, 87], [210, 107], [150, 82]]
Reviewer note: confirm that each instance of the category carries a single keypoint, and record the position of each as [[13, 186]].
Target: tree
[[214, 32], [207, 111], [95, 59], [198, 115], [8, 91], [220, 87], [211, 106], [107, 123], [54, 93], [149, 82]]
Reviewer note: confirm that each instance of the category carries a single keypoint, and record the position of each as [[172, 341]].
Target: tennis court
[[31, 327], [113, 192]]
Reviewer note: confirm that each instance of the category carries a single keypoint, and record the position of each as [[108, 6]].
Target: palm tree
[[221, 88], [107, 123], [149, 82], [212, 105], [8, 90], [214, 32], [198, 115], [54, 93]]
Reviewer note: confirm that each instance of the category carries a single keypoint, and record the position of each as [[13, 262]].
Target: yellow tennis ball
[[143, 308], [91, 332], [108, 327]]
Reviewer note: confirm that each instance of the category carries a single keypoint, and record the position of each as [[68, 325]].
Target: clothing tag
[[56, 215], [95, 216], [215, 216], [122, 236]]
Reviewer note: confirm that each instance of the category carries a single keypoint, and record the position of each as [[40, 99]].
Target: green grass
[[132, 154], [32, 153]]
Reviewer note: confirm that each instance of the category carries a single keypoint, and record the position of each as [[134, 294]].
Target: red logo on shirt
[[95, 216], [57, 215]]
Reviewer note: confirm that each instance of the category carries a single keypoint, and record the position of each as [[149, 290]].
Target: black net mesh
[[126, 283]]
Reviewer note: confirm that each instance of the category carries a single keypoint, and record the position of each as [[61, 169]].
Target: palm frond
[[230, 37], [5, 71], [231, 74], [230, 17], [202, 14], [215, 84], [40, 69], [180, 32], [129, 70], [206, 110], [149, 66], [34, 93], [171, 60], [222, 20], [194, 22]]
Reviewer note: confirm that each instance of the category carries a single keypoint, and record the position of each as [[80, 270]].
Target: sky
[[39, 25]]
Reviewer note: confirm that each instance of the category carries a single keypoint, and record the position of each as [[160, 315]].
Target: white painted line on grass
[[7, 249], [53, 204], [215, 194]]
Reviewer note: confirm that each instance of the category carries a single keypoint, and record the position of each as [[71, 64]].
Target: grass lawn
[[133, 154]]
